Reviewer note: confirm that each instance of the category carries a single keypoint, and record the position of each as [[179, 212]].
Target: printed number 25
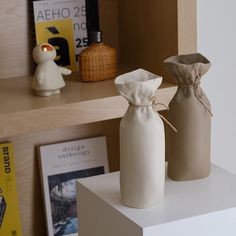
[[82, 42]]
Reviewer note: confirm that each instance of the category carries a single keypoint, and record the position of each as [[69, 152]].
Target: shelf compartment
[[79, 103]]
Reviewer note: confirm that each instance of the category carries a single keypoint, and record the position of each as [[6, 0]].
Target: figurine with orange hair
[[48, 78]]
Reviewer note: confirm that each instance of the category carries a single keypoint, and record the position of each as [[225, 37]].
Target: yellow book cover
[[60, 35], [9, 210], [62, 24]]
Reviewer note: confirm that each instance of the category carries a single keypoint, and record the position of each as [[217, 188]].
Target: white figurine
[[48, 78]]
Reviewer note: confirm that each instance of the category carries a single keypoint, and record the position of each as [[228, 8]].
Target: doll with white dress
[[48, 78]]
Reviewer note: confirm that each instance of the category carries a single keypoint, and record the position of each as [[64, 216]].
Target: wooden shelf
[[163, 28], [79, 103]]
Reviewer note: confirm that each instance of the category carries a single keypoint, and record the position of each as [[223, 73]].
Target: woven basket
[[97, 62]]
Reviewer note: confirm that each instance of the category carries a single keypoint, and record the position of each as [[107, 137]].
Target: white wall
[[217, 41]]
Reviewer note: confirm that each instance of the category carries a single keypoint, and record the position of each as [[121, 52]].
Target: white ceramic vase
[[142, 141]]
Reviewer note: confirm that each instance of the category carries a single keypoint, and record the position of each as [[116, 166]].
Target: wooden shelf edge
[[19, 123], [78, 113]]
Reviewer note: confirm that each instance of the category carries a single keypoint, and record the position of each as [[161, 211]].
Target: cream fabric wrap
[[142, 141]]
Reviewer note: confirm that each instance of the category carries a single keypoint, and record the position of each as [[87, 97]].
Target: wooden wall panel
[[16, 39], [16, 35], [187, 26], [144, 33], [152, 30], [27, 168], [147, 33], [108, 14]]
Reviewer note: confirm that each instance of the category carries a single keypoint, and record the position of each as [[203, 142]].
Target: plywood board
[[148, 33], [187, 26], [27, 168], [16, 39]]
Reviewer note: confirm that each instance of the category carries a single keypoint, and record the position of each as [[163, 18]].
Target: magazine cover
[[9, 210], [61, 164], [62, 23]]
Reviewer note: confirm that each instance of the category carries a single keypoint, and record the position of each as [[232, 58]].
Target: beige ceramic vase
[[188, 150]]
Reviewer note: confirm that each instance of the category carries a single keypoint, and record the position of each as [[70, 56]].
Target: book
[[61, 165], [9, 209], [62, 23]]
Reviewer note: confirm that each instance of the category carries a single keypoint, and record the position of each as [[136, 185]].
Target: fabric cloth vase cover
[[142, 141], [188, 150]]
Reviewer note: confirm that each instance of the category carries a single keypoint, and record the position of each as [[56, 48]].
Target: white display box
[[205, 207]]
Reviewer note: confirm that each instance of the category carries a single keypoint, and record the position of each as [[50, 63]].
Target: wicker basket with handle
[[97, 62]]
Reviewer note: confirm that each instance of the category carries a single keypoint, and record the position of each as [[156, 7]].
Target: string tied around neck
[[153, 104]]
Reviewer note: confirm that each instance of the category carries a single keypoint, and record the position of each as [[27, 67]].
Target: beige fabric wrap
[[188, 150]]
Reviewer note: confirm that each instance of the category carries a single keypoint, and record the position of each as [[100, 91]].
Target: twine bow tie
[[198, 92], [162, 117], [153, 104]]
